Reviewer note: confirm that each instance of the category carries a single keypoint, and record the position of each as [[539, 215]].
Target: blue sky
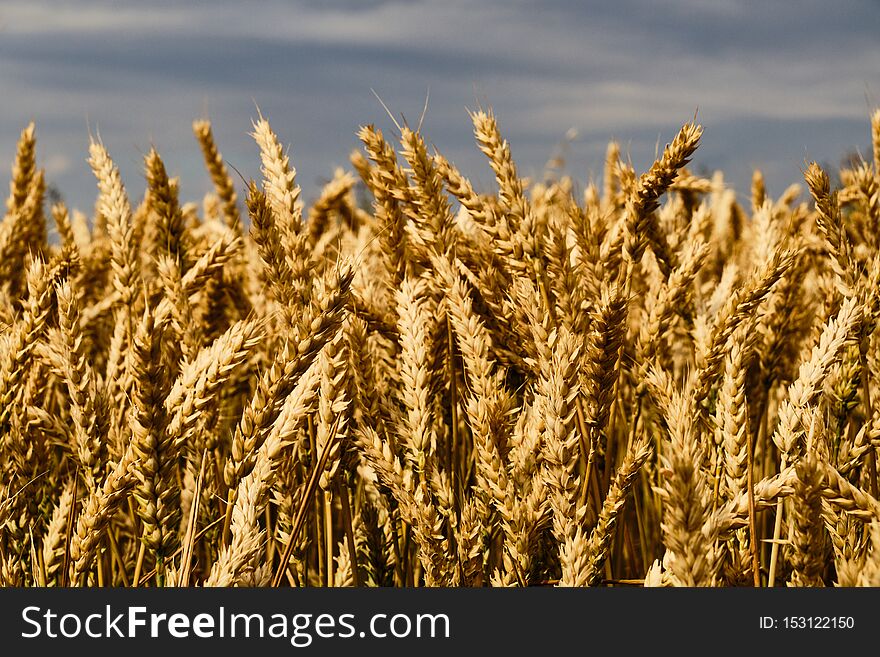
[[774, 83]]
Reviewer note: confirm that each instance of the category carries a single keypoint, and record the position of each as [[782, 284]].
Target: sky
[[775, 84]]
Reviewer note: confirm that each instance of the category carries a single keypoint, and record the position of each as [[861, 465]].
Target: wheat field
[[413, 382]]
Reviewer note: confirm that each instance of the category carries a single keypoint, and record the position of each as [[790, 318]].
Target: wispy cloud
[[773, 82]]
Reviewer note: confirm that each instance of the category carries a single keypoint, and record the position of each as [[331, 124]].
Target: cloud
[[57, 164], [770, 81]]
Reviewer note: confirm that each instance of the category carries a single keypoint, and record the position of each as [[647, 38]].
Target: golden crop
[[644, 383]]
